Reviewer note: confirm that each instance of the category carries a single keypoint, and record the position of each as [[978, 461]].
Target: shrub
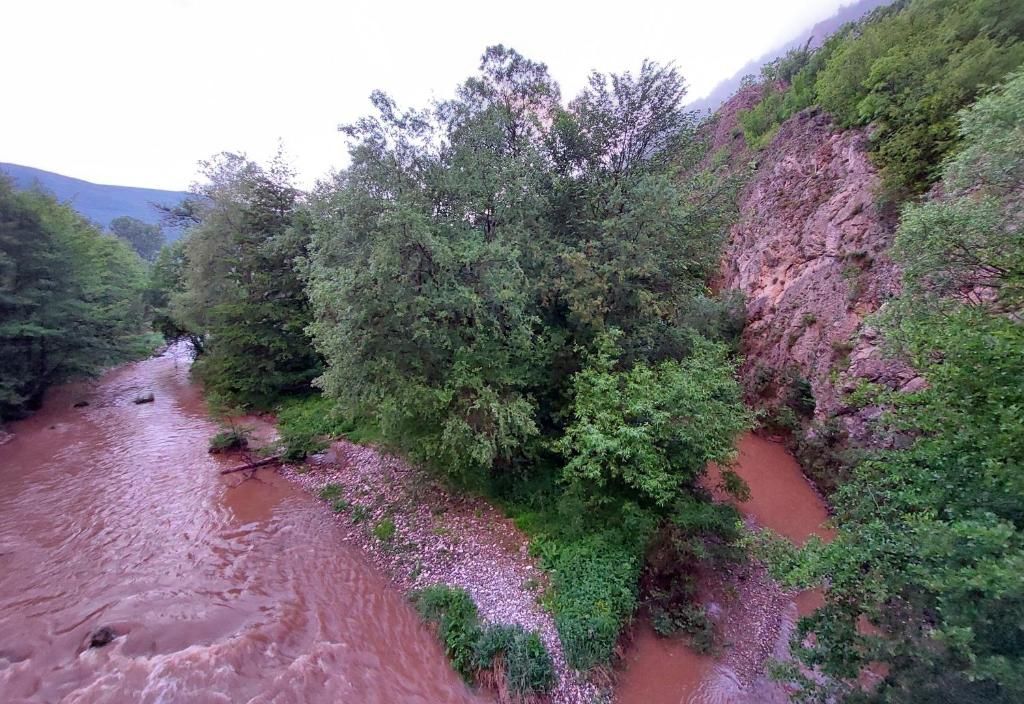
[[801, 396], [229, 438], [595, 582], [384, 530], [528, 665], [330, 491], [340, 505], [454, 613], [306, 424]]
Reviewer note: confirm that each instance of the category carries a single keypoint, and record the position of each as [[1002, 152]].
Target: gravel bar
[[442, 538]]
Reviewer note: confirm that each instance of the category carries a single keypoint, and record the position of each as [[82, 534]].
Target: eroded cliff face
[[809, 252]]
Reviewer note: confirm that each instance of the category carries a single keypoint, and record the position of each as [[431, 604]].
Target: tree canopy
[[70, 298]]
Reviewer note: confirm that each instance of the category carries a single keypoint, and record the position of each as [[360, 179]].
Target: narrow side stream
[[219, 589], [754, 618]]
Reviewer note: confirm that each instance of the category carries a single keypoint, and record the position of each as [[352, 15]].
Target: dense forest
[[72, 299], [516, 292]]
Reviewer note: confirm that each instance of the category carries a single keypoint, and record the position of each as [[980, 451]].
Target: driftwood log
[[252, 465]]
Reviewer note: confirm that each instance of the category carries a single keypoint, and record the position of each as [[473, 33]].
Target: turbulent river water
[[219, 589]]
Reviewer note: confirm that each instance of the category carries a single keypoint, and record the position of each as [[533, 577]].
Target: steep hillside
[[817, 34], [98, 202], [809, 253]]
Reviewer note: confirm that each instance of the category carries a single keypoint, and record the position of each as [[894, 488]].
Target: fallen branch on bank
[[252, 465]]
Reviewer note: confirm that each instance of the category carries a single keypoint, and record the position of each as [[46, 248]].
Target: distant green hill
[[99, 203]]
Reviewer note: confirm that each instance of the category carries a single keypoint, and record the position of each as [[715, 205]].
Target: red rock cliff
[[809, 253]]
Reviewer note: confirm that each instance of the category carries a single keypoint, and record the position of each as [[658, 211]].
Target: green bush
[[595, 592], [384, 531], [306, 424], [454, 613], [691, 619], [528, 665], [494, 640], [330, 491], [340, 505], [229, 438]]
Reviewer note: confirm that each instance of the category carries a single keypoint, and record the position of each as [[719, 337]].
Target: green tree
[[144, 238], [423, 307], [647, 433], [242, 294], [70, 298]]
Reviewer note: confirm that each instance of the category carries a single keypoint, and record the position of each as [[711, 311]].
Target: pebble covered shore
[[442, 538]]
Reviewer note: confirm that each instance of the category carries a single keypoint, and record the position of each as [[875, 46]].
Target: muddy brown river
[[666, 671], [219, 589]]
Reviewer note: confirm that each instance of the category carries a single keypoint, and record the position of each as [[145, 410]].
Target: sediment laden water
[[666, 671], [220, 589]]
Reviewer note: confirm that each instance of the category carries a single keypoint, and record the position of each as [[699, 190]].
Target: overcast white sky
[[135, 92]]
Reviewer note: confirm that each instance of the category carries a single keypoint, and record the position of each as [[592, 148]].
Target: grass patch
[[359, 513], [330, 492], [384, 530], [307, 424], [229, 438], [340, 505]]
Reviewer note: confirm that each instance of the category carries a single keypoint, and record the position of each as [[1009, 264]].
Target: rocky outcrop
[[809, 252]]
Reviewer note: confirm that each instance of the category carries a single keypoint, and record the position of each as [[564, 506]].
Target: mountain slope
[[817, 34], [97, 202]]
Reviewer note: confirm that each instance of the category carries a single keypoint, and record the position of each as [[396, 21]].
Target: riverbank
[[420, 534]]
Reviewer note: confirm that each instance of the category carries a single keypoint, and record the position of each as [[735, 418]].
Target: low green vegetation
[[330, 492], [230, 438], [905, 70], [384, 530], [306, 424], [930, 541], [480, 652], [71, 299]]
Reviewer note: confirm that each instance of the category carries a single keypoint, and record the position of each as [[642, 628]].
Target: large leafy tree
[[417, 276], [475, 248], [241, 295], [647, 433]]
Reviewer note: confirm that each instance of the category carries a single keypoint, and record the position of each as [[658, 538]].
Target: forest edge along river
[[219, 589]]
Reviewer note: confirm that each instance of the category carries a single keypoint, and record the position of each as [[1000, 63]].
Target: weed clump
[[229, 438], [384, 530], [455, 615], [330, 492]]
